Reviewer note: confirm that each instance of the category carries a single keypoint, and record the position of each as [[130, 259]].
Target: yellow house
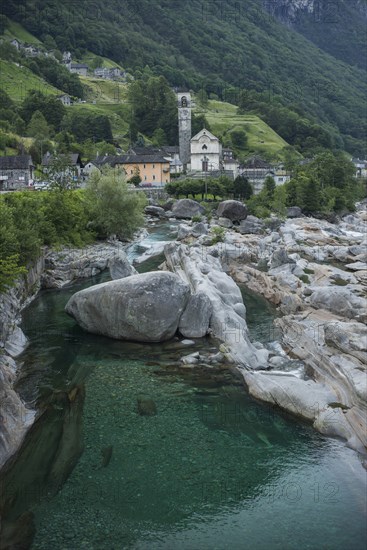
[[154, 170]]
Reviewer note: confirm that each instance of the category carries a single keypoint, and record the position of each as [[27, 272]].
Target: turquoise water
[[212, 469]]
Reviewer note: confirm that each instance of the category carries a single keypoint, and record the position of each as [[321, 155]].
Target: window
[[131, 172], [145, 178], [204, 147], [153, 177], [153, 165], [144, 165]]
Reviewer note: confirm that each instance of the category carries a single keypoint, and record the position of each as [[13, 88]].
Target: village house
[[78, 68], [65, 99], [66, 57], [170, 152], [109, 73], [74, 168], [153, 169], [16, 172], [256, 170], [16, 44], [361, 168], [90, 167]]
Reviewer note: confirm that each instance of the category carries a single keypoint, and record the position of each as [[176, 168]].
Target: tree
[[114, 209], [60, 173], [202, 98], [38, 127], [135, 179], [51, 108], [269, 188], [242, 188], [239, 139]]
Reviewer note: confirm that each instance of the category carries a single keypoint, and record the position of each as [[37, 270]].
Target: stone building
[[16, 172]]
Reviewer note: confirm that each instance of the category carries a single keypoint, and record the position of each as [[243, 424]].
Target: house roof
[[171, 149], [112, 160], [140, 159], [78, 66], [145, 150], [256, 162], [74, 158], [16, 162]]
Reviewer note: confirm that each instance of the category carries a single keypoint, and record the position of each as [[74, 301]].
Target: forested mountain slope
[[215, 45]]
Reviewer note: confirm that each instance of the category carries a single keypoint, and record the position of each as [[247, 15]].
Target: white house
[[15, 43], [361, 168], [89, 168], [206, 152], [65, 99]]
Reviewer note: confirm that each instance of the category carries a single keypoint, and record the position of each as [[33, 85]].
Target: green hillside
[[223, 118], [17, 81], [15, 30], [212, 45]]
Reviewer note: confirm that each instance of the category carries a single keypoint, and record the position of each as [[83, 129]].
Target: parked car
[[41, 186]]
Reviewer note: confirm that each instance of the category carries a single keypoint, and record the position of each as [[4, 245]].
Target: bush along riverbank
[[48, 240]]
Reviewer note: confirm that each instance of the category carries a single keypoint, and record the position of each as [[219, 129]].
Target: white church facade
[[206, 152]]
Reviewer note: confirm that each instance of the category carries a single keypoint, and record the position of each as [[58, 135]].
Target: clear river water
[[213, 469]]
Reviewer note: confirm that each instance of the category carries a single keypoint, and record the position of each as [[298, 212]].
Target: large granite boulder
[[232, 210], [199, 229], [155, 211], [187, 208], [120, 267], [294, 212], [194, 322], [143, 308]]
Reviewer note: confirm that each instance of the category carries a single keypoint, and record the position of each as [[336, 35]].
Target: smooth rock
[[194, 322], [155, 211], [199, 229], [187, 208], [294, 212], [143, 308], [225, 222], [120, 266], [233, 210]]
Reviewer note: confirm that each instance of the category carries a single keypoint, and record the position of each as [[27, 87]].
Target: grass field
[[223, 118], [118, 115], [17, 81], [90, 57], [104, 91], [15, 30]]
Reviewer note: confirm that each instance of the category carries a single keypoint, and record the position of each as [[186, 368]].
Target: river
[[213, 469]]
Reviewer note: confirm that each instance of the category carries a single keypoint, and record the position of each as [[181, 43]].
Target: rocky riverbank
[[316, 273], [54, 269]]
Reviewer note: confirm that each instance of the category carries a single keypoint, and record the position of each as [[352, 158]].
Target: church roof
[[204, 132]]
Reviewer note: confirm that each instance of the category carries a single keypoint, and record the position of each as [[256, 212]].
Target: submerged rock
[[144, 308], [146, 406]]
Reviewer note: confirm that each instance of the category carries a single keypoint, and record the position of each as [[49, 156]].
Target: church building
[[206, 152]]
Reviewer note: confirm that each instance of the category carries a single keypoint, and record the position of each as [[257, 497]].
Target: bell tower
[[184, 127]]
